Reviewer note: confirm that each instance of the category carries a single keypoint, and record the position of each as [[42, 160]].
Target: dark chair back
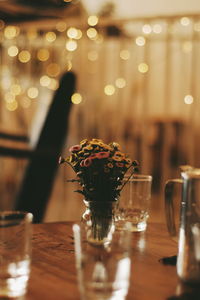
[[39, 175]]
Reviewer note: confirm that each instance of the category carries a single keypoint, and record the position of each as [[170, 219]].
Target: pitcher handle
[[169, 206]]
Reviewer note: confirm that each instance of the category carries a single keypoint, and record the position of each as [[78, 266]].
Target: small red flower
[[102, 154], [87, 162], [120, 165], [93, 156], [75, 148]]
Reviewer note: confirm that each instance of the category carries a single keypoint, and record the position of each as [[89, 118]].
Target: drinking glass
[[134, 202], [103, 270], [15, 252]]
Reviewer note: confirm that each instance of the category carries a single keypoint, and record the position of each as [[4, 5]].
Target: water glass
[[15, 253], [103, 270], [134, 202]]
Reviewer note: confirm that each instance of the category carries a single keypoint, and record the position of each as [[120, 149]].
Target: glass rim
[[138, 177], [7, 215]]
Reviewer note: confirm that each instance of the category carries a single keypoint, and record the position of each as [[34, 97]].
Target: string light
[[71, 45], [13, 51], [15, 89], [12, 106], [24, 56], [188, 99], [76, 98], [124, 54], [61, 26], [69, 65], [54, 84], [120, 83], [43, 54], [143, 68], [72, 32], [45, 80], [109, 89], [185, 21], [140, 41], [79, 34], [92, 20], [50, 36], [32, 92], [10, 32], [92, 33], [147, 29], [9, 97], [53, 69], [32, 34]]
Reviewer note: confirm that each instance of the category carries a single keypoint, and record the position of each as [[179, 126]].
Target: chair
[[40, 172]]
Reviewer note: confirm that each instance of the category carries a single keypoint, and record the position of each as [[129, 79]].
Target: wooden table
[[53, 274]]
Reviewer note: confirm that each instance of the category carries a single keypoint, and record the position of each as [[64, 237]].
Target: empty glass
[[103, 270], [188, 231], [134, 202], [15, 252]]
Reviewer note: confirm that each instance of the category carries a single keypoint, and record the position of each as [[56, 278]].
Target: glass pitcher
[[188, 264]]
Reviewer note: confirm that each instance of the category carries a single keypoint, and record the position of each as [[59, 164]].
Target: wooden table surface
[[53, 275]]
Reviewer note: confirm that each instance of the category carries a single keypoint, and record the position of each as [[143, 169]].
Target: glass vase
[[99, 220]]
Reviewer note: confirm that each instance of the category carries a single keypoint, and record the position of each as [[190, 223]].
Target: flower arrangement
[[100, 168]]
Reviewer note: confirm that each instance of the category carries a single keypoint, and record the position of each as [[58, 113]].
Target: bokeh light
[[92, 20], [61, 26], [143, 68], [185, 21], [32, 34], [13, 51], [54, 84], [15, 89], [120, 83], [32, 92], [140, 41], [12, 106], [109, 89], [9, 97], [71, 45], [45, 80], [92, 33], [50, 36], [43, 54], [76, 98], [24, 56], [124, 54], [68, 65], [188, 99], [147, 29], [72, 32], [10, 32], [53, 70]]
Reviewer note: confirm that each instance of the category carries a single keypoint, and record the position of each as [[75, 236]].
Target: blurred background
[[137, 68]]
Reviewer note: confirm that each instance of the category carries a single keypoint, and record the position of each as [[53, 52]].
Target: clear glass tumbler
[[104, 270], [134, 202], [15, 253]]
